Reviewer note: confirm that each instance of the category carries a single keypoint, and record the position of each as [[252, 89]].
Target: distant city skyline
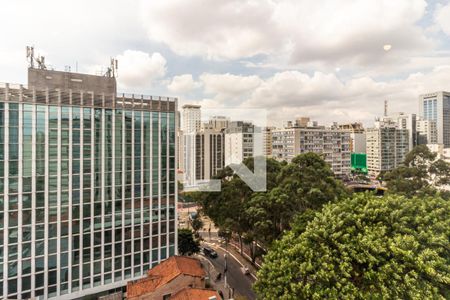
[[275, 55]]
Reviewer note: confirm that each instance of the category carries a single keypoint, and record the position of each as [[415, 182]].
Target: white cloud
[[297, 31], [183, 84], [216, 29], [442, 18], [229, 85], [139, 69]]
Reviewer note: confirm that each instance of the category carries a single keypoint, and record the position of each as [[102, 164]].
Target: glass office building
[[436, 107], [87, 190]]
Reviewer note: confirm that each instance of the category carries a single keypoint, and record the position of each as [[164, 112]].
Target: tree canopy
[[420, 174], [187, 245], [364, 247]]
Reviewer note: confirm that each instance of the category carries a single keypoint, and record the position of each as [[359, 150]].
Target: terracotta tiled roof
[[195, 294], [176, 265], [164, 273]]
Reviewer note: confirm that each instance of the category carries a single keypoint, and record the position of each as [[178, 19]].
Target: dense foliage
[[301, 186], [364, 247], [420, 174], [187, 245]]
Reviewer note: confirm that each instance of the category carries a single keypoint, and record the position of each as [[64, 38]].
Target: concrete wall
[[42, 79]]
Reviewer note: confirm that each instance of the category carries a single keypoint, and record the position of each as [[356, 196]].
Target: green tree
[[364, 247], [420, 174], [197, 223], [302, 187], [187, 245]]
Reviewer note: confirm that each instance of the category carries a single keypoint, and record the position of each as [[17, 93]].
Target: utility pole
[[226, 267]]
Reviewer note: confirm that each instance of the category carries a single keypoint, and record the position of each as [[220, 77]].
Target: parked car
[[209, 252]]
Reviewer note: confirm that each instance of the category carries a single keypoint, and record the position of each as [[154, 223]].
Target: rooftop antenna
[[30, 56], [385, 108], [41, 62], [111, 71]]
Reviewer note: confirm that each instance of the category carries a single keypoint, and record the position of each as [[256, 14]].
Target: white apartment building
[[332, 143], [190, 125], [387, 146], [191, 118], [407, 122], [239, 142], [426, 132]]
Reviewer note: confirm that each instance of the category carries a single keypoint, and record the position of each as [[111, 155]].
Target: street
[[241, 283]]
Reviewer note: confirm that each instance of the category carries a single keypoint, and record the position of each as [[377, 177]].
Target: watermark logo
[[225, 138]]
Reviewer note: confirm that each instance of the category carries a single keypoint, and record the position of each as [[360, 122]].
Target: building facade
[[333, 144], [88, 190], [239, 142], [426, 132], [357, 136], [387, 146], [406, 122], [266, 136], [209, 154], [436, 107], [191, 124]]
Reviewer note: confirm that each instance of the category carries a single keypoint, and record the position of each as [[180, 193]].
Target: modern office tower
[[426, 132], [267, 140], [191, 124], [436, 107], [405, 121], [357, 136], [239, 142], [387, 146], [88, 191], [332, 143]]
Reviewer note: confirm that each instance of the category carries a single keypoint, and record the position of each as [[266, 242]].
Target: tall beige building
[[267, 140], [386, 145]]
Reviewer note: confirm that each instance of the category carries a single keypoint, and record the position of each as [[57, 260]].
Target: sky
[[334, 61]]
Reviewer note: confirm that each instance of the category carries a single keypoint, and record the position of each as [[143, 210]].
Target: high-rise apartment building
[[387, 146], [266, 135], [88, 191], [407, 122], [209, 153], [436, 107], [357, 136], [191, 124], [332, 143], [239, 142], [191, 118], [426, 132]]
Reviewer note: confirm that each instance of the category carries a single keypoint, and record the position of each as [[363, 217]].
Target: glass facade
[[87, 197]]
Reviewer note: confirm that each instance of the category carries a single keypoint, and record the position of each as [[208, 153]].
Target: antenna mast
[[30, 56]]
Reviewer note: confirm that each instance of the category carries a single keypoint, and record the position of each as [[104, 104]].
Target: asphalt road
[[241, 283]]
